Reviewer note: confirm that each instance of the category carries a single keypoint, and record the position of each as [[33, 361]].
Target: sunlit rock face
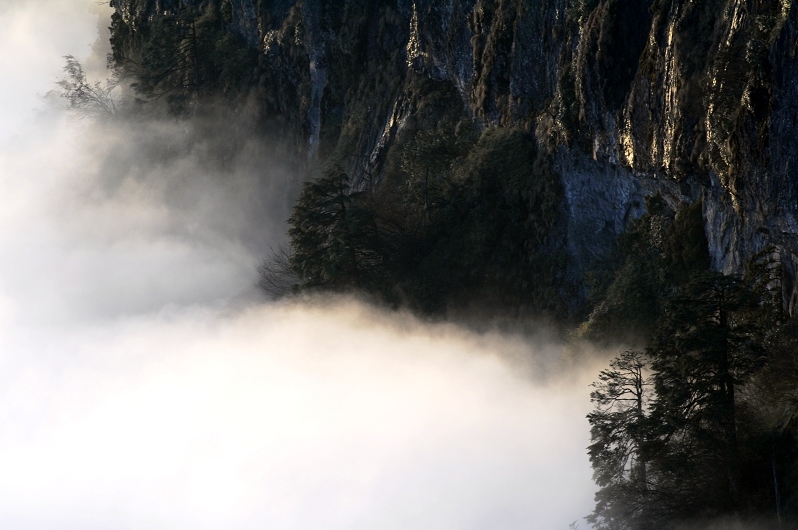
[[693, 100]]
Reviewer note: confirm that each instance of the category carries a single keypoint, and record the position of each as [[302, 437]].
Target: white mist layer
[[287, 418], [35, 36], [142, 386]]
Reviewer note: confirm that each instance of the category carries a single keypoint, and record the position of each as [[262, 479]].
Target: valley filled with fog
[[146, 382]]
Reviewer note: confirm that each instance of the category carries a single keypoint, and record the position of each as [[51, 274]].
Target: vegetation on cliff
[[687, 426], [434, 187], [459, 218]]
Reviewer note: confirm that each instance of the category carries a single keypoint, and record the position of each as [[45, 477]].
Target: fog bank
[[145, 383], [284, 417]]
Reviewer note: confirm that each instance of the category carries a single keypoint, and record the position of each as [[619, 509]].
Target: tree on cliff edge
[[87, 100], [333, 239]]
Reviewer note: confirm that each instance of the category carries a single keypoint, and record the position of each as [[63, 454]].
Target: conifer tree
[[618, 427], [706, 347], [333, 240]]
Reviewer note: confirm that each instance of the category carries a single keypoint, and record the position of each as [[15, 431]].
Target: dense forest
[[456, 194]]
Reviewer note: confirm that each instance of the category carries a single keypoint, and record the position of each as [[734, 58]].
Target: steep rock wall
[[692, 100]]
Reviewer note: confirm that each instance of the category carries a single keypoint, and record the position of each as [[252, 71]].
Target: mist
[[145, 382]]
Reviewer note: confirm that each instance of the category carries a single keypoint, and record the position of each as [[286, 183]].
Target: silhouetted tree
[[333, 240], [618, 430], [706, 347], [91, 100], [276, 276]]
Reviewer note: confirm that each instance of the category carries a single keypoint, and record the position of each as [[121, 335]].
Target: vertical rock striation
[[691, 100]]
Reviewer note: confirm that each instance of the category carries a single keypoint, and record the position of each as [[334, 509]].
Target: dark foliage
[[705, 349], [658, 253], [183, 53], [619, 431], [714, 434], [459, 220], [334, 239]]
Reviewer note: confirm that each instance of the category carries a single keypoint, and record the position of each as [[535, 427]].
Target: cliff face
[[692, 100]]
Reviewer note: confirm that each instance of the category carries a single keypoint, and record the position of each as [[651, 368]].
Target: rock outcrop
[[690, 100]]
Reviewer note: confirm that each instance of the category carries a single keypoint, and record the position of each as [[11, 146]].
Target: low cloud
[[285, 416], [36, 35], [144, 382]]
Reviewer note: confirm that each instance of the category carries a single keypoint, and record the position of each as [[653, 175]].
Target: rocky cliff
[[696, 101]]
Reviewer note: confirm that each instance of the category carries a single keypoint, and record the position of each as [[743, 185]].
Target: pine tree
[[334, 241], [706, 347], [618, 427]]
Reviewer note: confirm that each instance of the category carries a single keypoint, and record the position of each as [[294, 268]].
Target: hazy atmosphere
[[146, 383]]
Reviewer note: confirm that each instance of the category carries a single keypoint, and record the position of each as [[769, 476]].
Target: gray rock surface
[[691, 100]]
